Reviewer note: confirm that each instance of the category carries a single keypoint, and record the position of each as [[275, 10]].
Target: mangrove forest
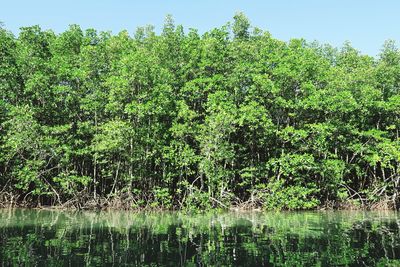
[[178, 119]]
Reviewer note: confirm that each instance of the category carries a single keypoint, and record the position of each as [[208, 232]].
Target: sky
[[365, 23]]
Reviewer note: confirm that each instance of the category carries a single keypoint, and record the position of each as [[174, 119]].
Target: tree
[[241, 26]]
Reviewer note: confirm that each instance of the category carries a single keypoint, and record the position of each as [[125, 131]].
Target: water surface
[[55, 238]]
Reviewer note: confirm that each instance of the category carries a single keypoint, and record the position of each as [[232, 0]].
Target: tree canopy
[[194, 121]]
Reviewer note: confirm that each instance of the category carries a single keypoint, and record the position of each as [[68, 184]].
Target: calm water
[[52, 238]]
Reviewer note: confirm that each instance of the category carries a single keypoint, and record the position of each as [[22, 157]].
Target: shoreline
[[345, 206]]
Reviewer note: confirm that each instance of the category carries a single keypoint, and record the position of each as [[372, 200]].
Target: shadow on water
[[55, 238]]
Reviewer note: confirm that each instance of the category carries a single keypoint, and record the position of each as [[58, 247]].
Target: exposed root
[[127, 201]]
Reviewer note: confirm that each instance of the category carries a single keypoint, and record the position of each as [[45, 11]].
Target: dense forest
[[183, 120]]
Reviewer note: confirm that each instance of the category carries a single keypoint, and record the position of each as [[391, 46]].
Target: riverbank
[[129, 204]]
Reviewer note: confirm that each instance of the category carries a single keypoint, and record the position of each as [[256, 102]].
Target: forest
[[176, 119]]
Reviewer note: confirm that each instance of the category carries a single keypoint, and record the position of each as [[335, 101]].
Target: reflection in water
[[54, 238]]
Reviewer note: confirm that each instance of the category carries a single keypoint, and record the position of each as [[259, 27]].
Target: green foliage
[[241, 26], [292, 197], [162, 198], [179, 120]]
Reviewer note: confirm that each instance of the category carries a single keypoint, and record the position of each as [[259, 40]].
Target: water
[[54, 238]]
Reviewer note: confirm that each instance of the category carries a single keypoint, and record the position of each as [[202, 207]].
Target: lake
[[122, 238]]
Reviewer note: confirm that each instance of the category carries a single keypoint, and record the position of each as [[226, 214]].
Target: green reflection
[[55, 238]]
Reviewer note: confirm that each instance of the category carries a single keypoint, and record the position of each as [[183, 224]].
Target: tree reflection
[[54, 238]]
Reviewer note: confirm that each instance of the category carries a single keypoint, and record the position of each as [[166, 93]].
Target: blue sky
[[365, 23]]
